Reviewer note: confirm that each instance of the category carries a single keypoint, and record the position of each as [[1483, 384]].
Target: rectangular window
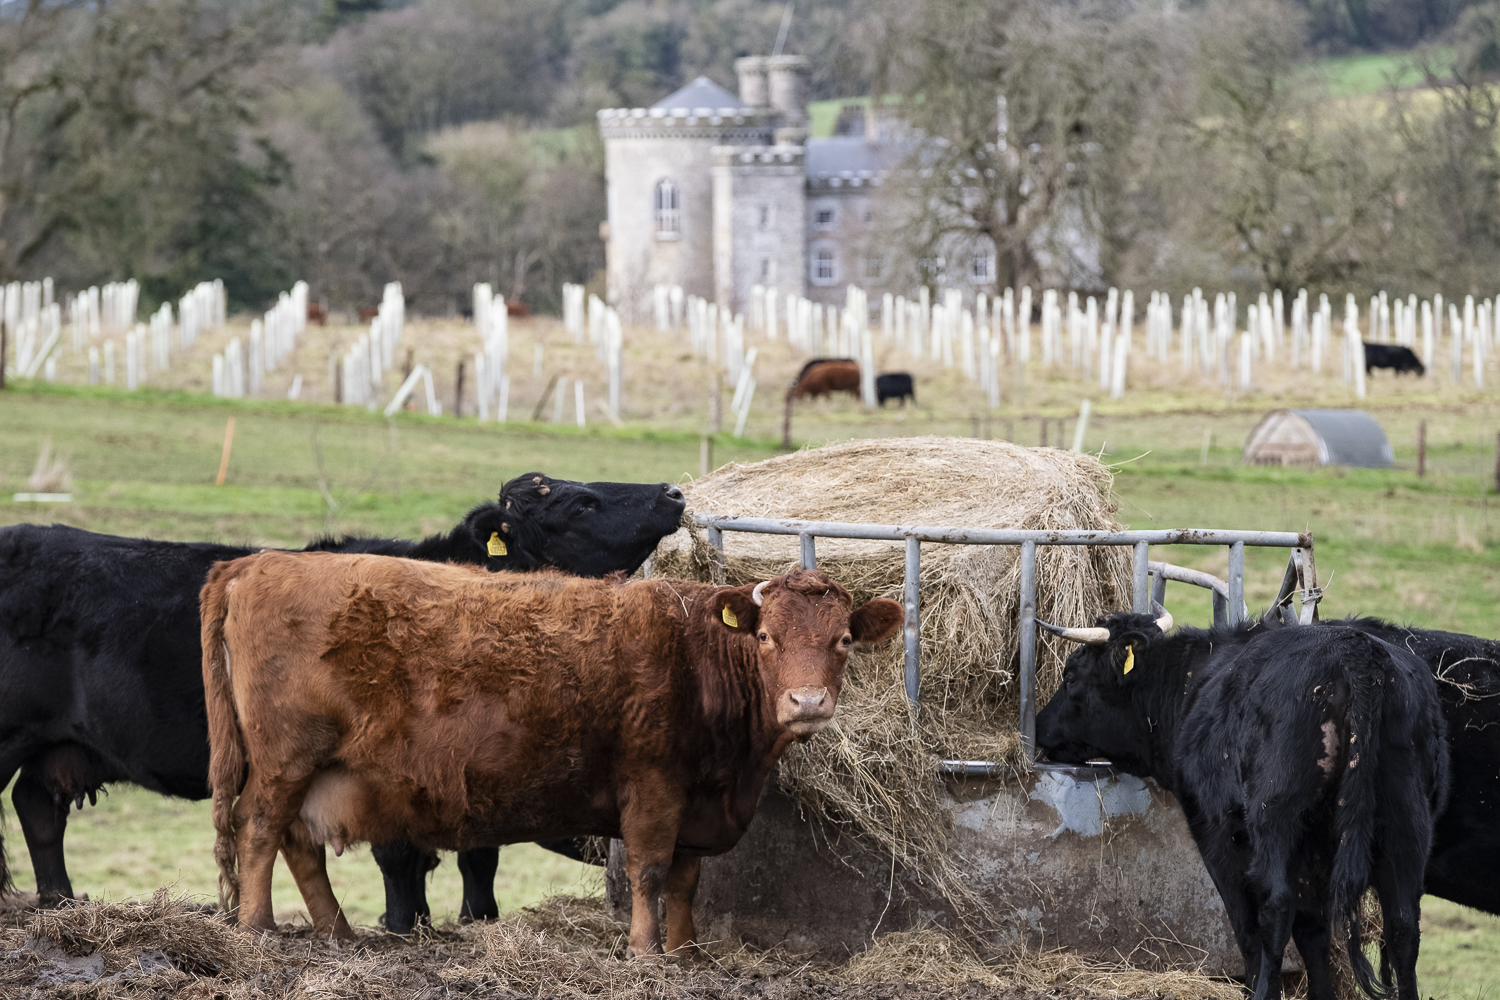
[[668, 210], [825, 267], [765, 217], [824, 218], [767, 270], [873, 267], [982, 269]]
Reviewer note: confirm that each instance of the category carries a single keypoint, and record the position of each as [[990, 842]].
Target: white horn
[[755, 594], [1164, 621], [1087, 636]]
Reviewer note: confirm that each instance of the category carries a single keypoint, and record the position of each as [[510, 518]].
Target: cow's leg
[[44, 820], [1399, 886], [1277, 905], [478, 866], [648, 826], [404, 866], [681, 886], [262, 817], [308, 863], [1310, 932], [1222, 848]]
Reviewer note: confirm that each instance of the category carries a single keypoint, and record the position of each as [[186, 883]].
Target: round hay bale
[[873, 772]]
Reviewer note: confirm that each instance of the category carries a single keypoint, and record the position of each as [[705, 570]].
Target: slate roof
[[701, 93], [849, 155]]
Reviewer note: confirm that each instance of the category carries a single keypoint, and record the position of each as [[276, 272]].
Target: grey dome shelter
[[1319, 437]]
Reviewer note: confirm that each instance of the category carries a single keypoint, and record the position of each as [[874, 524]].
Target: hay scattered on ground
[[872, 772], [567, 948]]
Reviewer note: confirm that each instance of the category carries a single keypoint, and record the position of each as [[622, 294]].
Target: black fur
[[1231, 721], [897, 386], [1466, 838], [101, 670], [1397, 359]]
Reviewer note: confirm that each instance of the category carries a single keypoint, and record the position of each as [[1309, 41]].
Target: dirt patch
[[567, 948]]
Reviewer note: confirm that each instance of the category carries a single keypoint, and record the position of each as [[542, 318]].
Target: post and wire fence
[[1148, 582]]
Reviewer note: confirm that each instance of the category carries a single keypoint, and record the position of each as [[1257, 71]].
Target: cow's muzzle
[[806, 710]]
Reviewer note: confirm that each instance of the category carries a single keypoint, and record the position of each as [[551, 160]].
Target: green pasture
[[1387, 543]]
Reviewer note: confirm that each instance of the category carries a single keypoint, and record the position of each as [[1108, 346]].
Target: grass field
[[144, 464]]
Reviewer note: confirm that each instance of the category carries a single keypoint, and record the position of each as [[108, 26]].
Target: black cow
[[101, 670], [1397, 359], [897, 386], [1309, 762], [1466, 837]]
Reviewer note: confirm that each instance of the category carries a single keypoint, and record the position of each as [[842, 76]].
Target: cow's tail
[[1358, 801], [226, 756]]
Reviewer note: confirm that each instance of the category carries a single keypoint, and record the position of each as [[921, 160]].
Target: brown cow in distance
[[366, 698], [825, 376]]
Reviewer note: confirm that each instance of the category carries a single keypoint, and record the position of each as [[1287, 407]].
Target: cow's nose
[[808, 700], [673, 492]]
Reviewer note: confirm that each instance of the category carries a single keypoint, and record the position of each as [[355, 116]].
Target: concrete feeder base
[[1099, 863]]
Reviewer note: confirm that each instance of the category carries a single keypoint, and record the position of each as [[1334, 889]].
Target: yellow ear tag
[[496, 546], [729, 618], [1129, 658]]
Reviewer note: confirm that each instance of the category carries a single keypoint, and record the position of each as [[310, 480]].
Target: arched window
[[668, 210]]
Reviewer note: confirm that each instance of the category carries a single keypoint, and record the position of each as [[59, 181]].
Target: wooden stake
[[1497, 463], [458, 391], [1421, 449], [786, 424], [541, 404], [4, 350], [224, 458]]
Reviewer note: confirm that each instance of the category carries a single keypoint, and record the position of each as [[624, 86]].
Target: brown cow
[[368, 698], [825, 376]]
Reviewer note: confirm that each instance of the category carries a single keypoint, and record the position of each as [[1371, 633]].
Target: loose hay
[[872, 773], [565, 949]]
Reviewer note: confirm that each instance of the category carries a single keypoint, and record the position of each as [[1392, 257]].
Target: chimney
[[752, 71], [788, 85]]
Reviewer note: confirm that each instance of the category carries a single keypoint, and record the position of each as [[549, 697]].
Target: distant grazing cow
[[101, 673], [1466, 837], [1397, 359], [895, 385], [317, 314], [1310, 763], [517, 309], [355, 698], [825, 376], [367, 313]]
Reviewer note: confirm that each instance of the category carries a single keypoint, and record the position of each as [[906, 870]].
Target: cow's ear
[[734, 608], [876, 621], [1127, 658], [503, 538]]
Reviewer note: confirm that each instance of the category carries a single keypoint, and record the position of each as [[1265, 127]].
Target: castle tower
[[659, 165]]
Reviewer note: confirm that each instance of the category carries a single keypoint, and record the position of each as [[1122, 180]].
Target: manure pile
[[872, 773], [566, 948]]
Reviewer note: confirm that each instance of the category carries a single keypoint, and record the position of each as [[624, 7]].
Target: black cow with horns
[[101, 668], [1309, 762]]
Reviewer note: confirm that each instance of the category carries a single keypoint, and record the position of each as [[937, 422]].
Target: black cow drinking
[[1309, 763], [101, 670], [1397, 359]]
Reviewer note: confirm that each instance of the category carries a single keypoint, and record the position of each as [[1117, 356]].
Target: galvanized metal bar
[[1028, 648], [974, 769], [1221, 610], [716, 538], [913, 634], [1003, 536], [1307, 582], [809, 545], [1198, 578], [1158, 587], [1236, 583], [1140, 590]]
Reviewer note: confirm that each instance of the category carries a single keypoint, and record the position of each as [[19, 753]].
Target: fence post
[[1140, 591], [1421, 449], [1236, 610], [1028, 648], [809, 547], [913, 633]]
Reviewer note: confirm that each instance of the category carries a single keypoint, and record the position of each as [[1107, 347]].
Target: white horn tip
[[755, 595]]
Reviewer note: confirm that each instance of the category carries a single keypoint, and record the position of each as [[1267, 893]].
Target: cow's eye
[[763, 637], [847, 640]]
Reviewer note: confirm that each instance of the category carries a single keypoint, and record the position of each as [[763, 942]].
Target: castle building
[[719, 193]]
